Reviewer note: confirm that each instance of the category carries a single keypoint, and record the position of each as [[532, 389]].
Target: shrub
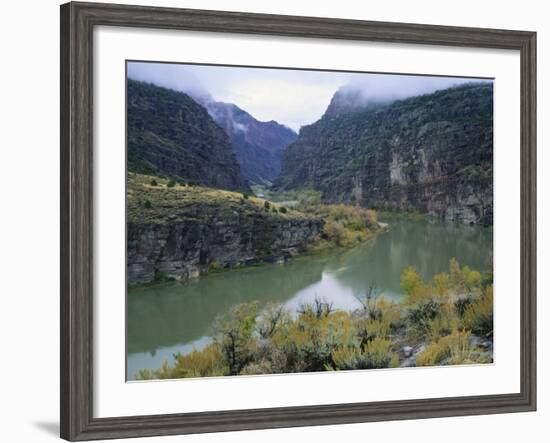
[[441, 283], [461, 304], [214, 266], [368, 329], [478, 316], [205, 363], [454, 347], [171, 183], [245, 195], [374, 355], [154, 183], [410, 280], [422, 314], [369, 302], [147, 204], [234, 335], [283, 210], [334, 232], [319, 308], [272, 317], [266, 205], [471, 279], [307, 343], [162, 277]]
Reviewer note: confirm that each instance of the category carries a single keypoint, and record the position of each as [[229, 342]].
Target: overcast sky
[[291, 97]]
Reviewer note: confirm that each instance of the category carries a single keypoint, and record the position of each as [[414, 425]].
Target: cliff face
[[431, 153], [185, 249], [258, 146], [170, 134], [184, 231]]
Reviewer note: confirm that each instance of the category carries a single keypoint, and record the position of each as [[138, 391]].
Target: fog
[[389, 87], [291, 97]]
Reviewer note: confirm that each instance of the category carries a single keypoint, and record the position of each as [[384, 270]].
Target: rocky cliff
[[170, 134], [258, 145], [183, 231], [431, 153]]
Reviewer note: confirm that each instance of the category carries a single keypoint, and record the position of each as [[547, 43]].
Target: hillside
[[258, 145], [431, 153], [181, 231], [169, 134]]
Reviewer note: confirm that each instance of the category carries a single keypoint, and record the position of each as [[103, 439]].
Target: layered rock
[[182, 232], [185, 249]]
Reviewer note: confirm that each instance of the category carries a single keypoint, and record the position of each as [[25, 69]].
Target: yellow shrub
[[454, 347], [441, 283], [410, 280], [208, 362], [478, 317]]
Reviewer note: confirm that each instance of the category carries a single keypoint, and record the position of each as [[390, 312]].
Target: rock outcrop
[[181, 232], [185, 249], [431, 153]]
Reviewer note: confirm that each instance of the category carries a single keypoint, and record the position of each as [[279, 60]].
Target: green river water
[[167, 318]]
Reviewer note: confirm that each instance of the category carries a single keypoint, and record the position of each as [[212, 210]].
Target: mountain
[[258, 146], [348, 99], [170, 134], [430, 153]]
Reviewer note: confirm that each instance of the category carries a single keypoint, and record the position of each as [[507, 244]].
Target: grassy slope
[[160, 203]]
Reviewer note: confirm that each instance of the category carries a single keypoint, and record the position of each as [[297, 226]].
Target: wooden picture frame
[[77, 23]]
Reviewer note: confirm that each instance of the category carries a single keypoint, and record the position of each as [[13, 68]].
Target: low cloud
[[291, 97]]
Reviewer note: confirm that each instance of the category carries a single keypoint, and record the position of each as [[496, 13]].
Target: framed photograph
[[273, 221]]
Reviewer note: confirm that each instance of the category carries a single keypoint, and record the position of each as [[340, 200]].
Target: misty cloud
[[384, 88], [291, 97]]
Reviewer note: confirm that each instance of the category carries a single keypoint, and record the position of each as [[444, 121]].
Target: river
[[166, 318]]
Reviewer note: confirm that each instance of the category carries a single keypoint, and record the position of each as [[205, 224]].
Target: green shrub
[[461, 304], [215, 266], [234, 334], [147, 204], [283, 210], [374, 355], [162, 277], [245, 195], [171, 183], [420, 316], [154, 183]]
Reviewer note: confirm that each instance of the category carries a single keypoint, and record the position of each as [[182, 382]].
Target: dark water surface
[[168, 318]]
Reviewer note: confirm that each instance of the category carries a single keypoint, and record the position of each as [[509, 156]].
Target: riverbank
[[178, 230], [167, 318], [447, 320]]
